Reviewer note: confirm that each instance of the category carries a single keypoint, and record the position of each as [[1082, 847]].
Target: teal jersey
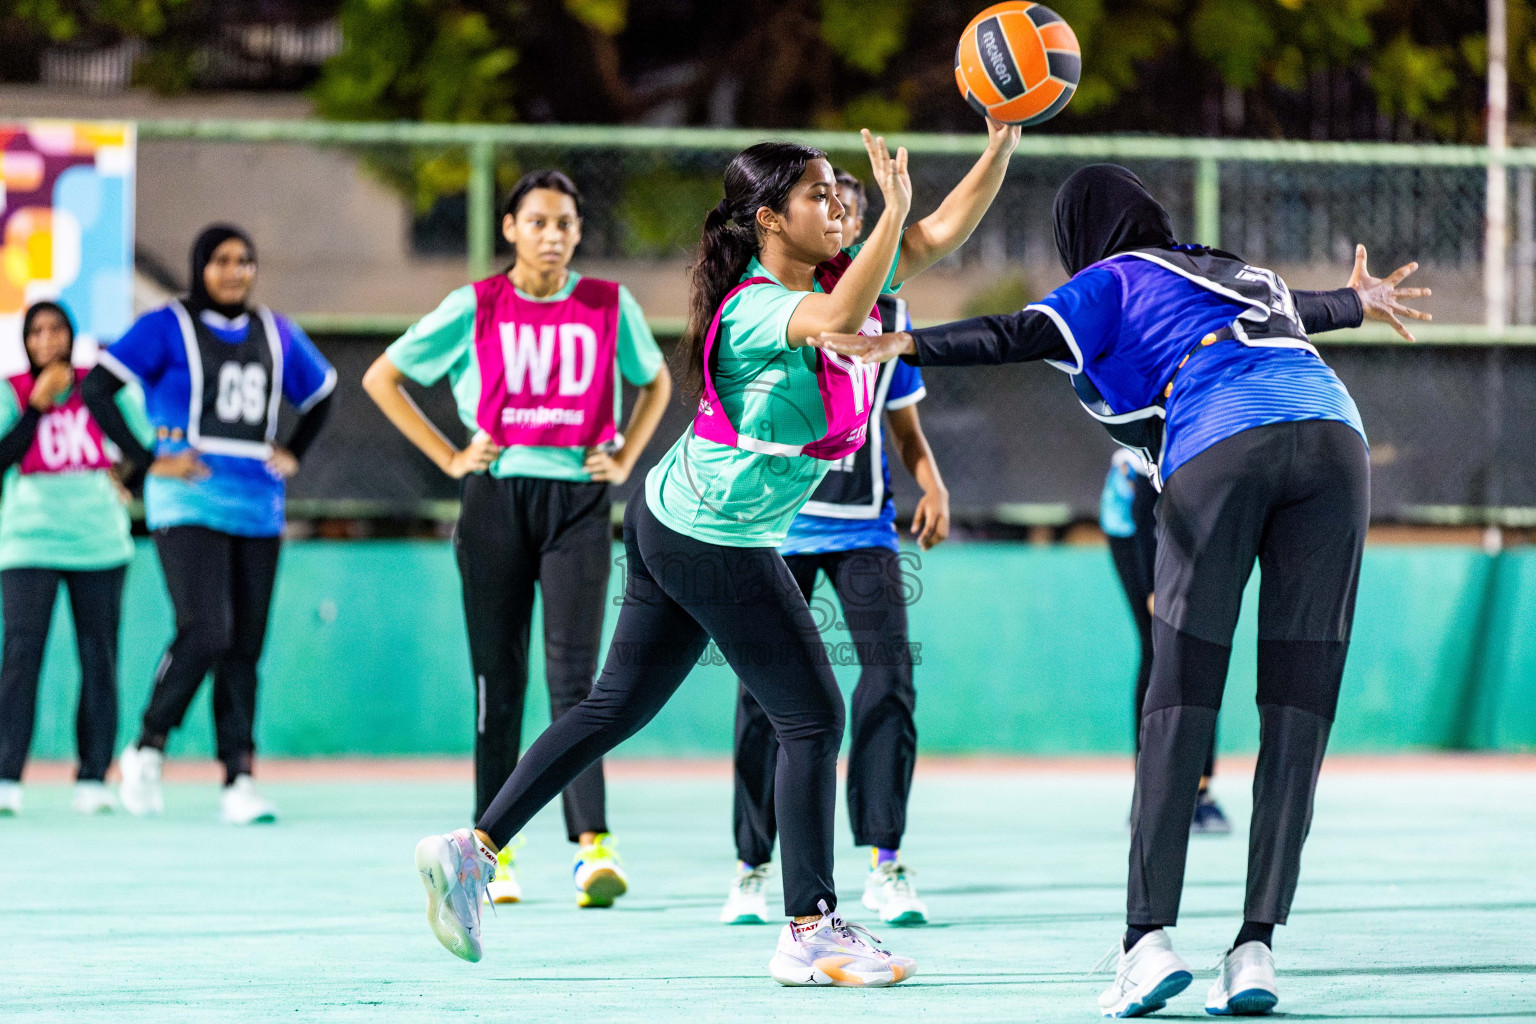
[[69, 521], [724, 495], [442, 343]]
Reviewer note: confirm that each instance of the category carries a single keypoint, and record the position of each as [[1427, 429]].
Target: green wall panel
[[1023, 649]]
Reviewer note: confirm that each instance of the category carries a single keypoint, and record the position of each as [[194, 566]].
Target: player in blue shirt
[[1202, 363], [1125, 516], [848, 531], [214, 370]]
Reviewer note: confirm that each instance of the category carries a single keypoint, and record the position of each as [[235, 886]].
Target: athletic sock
[[880, 855], [1134, 933], [1255, 931]]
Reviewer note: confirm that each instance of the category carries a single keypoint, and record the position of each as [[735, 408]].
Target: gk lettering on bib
[[68, 439], [546, 368], [847, 388]]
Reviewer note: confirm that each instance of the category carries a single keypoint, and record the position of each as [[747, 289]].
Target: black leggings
[[1296, 497], [96, 600], [883, 744], [1135, 558], [512, 532], [221, 588], [679, 593]]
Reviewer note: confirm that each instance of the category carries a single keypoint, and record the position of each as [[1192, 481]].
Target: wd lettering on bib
[[67, 440], [547, 368]]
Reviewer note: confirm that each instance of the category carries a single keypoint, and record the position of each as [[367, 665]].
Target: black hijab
[[26, 326], [211, 237], [1103, 209]]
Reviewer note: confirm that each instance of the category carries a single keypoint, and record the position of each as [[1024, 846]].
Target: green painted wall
[[1023, 649]]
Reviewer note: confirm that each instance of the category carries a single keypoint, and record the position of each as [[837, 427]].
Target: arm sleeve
[[437, 342], [1330, 310], [99, 392], [19, 438], [989, 340], [308, 427], [639, 356], [308, 377]]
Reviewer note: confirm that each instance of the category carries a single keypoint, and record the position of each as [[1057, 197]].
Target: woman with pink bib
[[62, 520], [534, 356], [702, 559]]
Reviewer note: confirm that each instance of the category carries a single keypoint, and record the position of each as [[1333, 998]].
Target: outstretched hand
[[878, 348], [891, 175], [1379, 296]]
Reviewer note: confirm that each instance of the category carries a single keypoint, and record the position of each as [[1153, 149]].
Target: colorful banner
[[66, 229]]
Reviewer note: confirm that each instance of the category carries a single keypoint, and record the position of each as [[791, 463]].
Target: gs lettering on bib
[[68, 439], [236, 386], [546, 368]]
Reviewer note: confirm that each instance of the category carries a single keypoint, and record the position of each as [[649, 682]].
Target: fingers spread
[[1397, 325], [1411, 293], [1400, 273]]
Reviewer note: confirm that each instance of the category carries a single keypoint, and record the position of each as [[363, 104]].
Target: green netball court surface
[[1418, 902]]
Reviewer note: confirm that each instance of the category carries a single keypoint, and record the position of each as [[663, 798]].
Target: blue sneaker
[[1209, 819]]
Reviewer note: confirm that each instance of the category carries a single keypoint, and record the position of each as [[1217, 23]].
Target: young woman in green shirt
[[534, 356], [701, 547], [62, 520]]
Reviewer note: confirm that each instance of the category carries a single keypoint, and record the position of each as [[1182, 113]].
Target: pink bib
[[68, 439], [546, 368], [847, 388]]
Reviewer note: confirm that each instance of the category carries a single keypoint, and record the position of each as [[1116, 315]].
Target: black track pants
[[221, 589], [1135, 558], [678, 594], [1296, 497], [513, 532], [96, 601], [883, 744]]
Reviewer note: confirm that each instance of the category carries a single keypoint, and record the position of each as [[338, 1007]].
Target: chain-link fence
[[363, 228]]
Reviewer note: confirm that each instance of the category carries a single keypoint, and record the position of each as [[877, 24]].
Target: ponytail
[[760, 176]]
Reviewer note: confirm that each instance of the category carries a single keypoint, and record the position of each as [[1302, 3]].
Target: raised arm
[[845, 308], [946, 229]]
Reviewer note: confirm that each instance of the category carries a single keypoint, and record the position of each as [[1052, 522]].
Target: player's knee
[[1186, 670], [1303, 674]]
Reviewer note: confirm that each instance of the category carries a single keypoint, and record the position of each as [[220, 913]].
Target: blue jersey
[[852, 507], [1130, 322], [209, 385]]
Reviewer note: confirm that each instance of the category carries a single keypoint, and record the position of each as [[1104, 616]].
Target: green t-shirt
[[768, 390], [71, 521], [443, 342]]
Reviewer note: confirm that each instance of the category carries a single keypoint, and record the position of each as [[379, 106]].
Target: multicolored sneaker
[[506, 887], [455, 869], [746, 903], [1209, 819], [831, 951], [599, 879], [888, 891]]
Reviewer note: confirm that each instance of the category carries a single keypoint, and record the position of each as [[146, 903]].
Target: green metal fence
[[1420, 200]]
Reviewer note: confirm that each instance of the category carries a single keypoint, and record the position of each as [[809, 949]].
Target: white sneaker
[[140, 788], [1245, 982], [240, 804], [10, 798], [836, 952], [455, 869], [1147, 976], [889, 892], [505, 887], [93, 798], [746, 903]]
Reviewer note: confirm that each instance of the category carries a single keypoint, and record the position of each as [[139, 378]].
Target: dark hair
[[847, 180], [209, 239], [759, 176], [555, 181], [31, 314]]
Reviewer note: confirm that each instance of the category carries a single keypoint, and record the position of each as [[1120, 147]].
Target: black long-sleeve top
[[1030, 334]]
